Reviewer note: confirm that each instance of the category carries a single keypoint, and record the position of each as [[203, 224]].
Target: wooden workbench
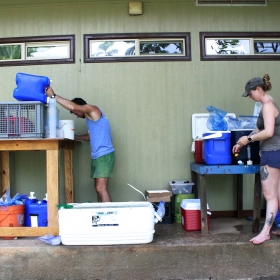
[[52, 147]]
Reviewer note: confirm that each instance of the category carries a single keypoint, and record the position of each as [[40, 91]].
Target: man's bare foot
[[259, 239], [276, 232]]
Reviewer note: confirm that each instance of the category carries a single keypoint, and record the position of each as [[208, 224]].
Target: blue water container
[[31, 87], [217, 150], [37, 208]]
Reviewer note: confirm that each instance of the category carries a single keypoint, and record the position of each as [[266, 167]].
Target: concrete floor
[[225, 253]]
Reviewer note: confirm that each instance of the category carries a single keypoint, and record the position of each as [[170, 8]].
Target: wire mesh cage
[[24, 119]]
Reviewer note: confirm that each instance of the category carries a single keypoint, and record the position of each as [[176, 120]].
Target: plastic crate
[[181, 187], [24, 119]]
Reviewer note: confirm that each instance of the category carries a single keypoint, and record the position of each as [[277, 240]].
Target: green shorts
[[103, 166]]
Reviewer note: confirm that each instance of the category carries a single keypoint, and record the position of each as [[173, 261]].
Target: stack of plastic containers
[[180, 190]]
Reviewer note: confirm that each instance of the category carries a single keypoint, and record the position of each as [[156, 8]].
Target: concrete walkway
[[225, 253]]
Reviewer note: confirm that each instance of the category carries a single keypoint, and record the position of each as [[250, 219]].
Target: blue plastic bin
[[217, 150]]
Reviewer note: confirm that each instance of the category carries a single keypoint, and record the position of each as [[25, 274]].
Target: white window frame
[[46, 44], [137, 43]]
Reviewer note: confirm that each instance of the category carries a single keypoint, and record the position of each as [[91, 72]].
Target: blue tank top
[[100, 137]]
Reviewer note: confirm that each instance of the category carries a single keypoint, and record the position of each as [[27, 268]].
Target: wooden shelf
[[52, 147]]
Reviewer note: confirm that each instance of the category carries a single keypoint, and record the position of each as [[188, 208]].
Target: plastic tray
[[180, 187]]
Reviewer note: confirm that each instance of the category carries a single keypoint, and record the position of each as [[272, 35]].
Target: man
[[99, 135]]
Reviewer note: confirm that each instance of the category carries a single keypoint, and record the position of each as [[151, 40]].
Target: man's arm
[[84, 137], [67, 104], [90, 111]]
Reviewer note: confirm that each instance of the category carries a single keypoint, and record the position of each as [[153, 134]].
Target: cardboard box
[[158, 199], [158, 193]]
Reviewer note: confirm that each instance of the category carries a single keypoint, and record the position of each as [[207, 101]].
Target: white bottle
[[31, 196]]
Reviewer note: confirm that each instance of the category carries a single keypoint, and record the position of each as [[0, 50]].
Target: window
[[37, 50], [10, 52], [267, 46], [136, 47], [231, 2], [240, 46]]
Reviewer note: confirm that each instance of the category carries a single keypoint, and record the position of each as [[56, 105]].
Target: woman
[[268, 133]]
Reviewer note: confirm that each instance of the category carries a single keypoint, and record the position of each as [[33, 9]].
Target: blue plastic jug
[[31, 87], [37, 208]]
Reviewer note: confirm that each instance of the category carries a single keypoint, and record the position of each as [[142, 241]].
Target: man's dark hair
[[79, 101]]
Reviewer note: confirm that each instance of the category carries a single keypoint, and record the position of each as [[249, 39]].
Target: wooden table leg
[[5, 170], [239, 185], [203, 204], [257, 203], [194, 180], [52, 186], [68, 175]]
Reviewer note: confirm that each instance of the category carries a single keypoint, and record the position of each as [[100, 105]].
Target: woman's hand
[[236, 148], [243, 141]]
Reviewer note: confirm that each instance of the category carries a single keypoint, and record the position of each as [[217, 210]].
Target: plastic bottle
[[47, 126], [35, 211], [27, 204], [42, 212], [160, 210], [249, 162]]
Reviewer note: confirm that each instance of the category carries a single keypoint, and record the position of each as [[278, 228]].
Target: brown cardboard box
[[158, 193], [158, 199]]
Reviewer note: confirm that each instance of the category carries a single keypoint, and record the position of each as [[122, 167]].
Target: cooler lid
[[191, 204], [131, 204], [199, 123]]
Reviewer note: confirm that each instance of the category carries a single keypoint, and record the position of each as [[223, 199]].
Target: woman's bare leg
[[270, 182]]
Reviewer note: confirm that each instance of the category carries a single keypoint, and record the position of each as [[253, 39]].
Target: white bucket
[[68, 128]]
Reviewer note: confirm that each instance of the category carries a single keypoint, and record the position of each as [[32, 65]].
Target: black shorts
[[270, 158]]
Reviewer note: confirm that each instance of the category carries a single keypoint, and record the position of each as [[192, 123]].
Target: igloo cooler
[[191, 214], [107, 223]]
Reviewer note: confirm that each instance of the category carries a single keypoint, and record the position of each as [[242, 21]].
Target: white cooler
[[107, 223]]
